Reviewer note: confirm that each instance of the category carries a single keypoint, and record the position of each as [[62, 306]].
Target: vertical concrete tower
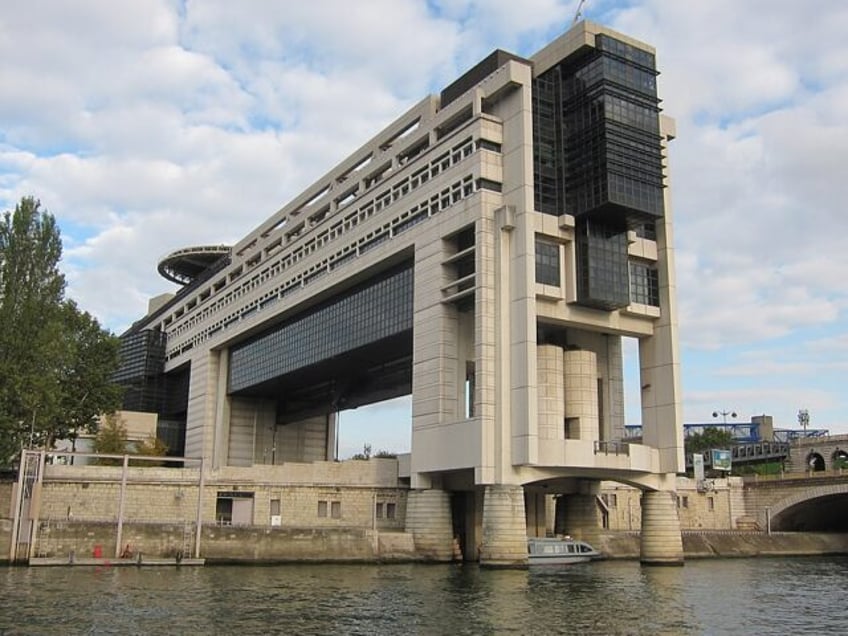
[[572, 249]]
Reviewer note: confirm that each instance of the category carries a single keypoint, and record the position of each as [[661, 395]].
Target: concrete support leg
[[428, 518], [661, 540], [504, 527], [582, 518]]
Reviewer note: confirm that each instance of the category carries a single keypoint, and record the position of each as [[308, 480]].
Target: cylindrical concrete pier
[[504, 527], [661, 541], [428, 518], [580, 371], [550, 391]]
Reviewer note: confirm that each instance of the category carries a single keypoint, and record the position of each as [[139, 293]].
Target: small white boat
[[555, 551]]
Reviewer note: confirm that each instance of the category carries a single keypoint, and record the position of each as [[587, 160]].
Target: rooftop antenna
[[579, 13]]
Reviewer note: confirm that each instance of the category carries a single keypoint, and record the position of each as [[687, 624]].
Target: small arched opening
[[815, 462], [839, 459]]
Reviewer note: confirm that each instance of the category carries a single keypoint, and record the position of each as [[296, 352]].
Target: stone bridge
[[818, 454], [812, 501]]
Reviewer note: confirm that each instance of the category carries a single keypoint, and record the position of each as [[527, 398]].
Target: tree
[[151, 446], [55, 360], [365, 454], [90, 357], [710, 437], [111, 439]]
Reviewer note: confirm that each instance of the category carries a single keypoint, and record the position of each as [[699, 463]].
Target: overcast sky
[[148, 125]]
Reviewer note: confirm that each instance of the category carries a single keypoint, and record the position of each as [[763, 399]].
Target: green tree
[[151, 446], [89, 358], [55, 360], [111, 439], [710, 437], [365, 454]]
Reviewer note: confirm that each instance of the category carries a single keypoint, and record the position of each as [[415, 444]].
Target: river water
[[738, 596]]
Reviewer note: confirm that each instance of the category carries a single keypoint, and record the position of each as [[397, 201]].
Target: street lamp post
[[804, 419], [724, 415]]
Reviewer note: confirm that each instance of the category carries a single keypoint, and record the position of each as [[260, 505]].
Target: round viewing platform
[[182, 266]]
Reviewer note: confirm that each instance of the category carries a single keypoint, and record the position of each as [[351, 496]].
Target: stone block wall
[[80, 507], [714, 507]]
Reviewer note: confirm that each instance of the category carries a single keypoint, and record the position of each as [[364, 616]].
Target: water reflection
[[704, 597]]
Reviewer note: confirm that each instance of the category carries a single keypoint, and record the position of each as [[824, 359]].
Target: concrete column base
[[661, 541], [428, 518], [581, 517], [504, 527]]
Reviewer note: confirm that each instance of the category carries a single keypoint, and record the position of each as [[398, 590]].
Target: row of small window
[[683, 502], [442, 200], [333, 509], [387, 510], [459, 152], [445, 198]]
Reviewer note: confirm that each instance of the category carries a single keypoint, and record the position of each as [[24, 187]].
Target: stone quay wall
[[351, 510], [732, 544]]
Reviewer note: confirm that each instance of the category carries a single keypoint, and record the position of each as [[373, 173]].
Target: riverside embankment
[[263, 545], [707, 544]]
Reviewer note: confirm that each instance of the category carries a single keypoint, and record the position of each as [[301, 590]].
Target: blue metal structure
[[742, 432]]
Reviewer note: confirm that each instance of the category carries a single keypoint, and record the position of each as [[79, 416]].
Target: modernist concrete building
[[485, 253]]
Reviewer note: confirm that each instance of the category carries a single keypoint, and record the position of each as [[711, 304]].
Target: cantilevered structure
[[485, 253]]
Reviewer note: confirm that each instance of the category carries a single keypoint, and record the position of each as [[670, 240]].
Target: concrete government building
[[485, 254]]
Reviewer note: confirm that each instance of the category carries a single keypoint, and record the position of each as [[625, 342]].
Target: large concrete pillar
[[581, 394], [661, 540], [428, 518], [504, 527], [550, 391], [581, 517]]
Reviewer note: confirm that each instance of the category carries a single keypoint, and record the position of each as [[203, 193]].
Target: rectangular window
[[322, 508], [469, 388], [572, 428], [547, 263], [379, 511], [613, 500], [224, 511], [275, 506], [336, 510], [644, 284], [710, 504], [390, 510], [685, 501]]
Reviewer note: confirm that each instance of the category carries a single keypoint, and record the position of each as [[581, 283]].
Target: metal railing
[[612, 447]]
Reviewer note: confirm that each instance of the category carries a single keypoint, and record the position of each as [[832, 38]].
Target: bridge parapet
[[819, 454], [766, 497]]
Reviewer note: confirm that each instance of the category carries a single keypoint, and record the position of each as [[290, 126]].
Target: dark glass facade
[[602, 268], [376, 311], [547, 263], [644, 284], [142, 355], [149, 389], [597, 155]]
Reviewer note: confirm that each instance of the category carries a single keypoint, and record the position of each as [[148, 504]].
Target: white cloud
[[146, 126]]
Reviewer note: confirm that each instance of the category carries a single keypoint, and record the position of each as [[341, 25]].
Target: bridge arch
[[839, 459], [818, 509], [815, 462]]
